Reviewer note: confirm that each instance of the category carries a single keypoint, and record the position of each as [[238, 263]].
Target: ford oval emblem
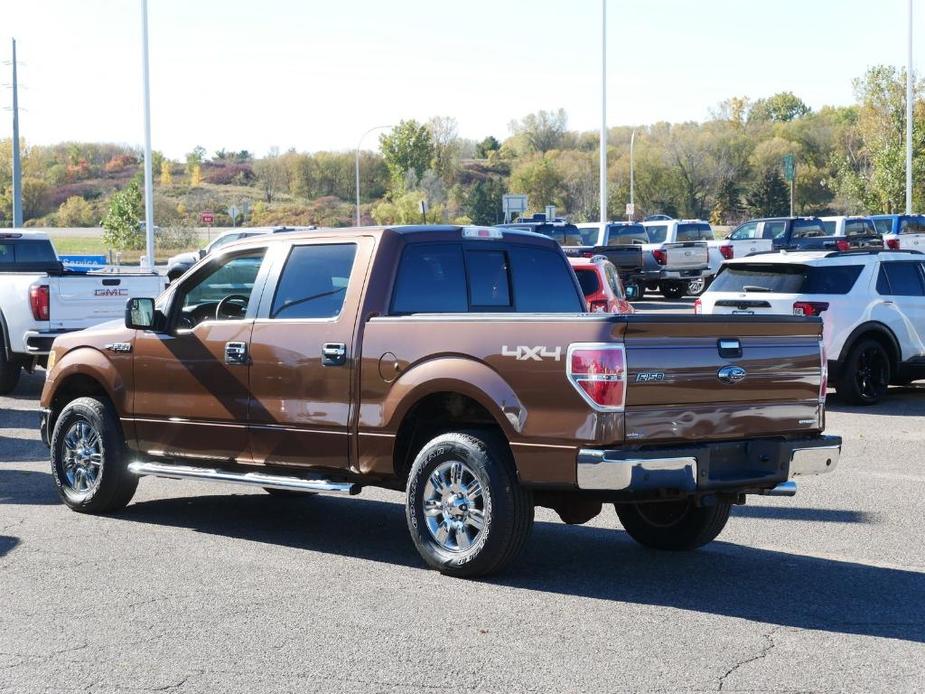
[[731, 374]]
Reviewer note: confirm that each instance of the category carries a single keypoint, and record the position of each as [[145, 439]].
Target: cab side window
[[859, 227], [222, 293], [314, 281], [746, 231], [774, 230], [901, 279]]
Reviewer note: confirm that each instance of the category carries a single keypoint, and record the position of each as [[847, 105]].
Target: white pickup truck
[[40, 300]]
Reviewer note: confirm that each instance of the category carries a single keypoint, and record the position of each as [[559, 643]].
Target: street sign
[[513, 204], [207, 218], [550, 213], [83, 262], [789, 167], [630, 210], [233, 212]]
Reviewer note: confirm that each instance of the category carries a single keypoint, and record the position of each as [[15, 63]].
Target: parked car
[[455, 363], [677, 255], [565, 233], [872, 304], [901, 231], [179, 264], [858, 232], [40, 300], [622, 243], [601, 285], [808, 233]]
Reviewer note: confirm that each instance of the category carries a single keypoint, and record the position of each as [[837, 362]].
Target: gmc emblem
[[115, 291]]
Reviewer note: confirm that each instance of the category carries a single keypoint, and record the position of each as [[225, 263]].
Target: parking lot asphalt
[[198, 587]]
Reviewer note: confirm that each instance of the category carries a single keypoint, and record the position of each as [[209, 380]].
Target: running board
[[251, 479]]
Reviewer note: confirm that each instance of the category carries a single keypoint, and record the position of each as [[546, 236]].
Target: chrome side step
[[251, 479], [788, 488]]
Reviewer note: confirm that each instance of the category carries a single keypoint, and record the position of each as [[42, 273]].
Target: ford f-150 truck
[[454, 363], [40, 300]]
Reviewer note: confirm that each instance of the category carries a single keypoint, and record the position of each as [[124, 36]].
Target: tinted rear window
[[884, 226], [803, 228], [829, 228], [543, 282], [589, 235], [911, 225], [900, 279], [314, 281], [588, 280], [488, 278], [626, 235], [657, 232], [695, 232], [32, 252], [786, 279], [431, 279]]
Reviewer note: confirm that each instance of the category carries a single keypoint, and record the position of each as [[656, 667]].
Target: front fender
[[455, 374], [88, 362]]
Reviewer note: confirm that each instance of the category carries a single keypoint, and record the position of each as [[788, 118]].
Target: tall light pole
[[632, 214], [909, 119], [17, 165], [603, 154], [149, 179], [359, 143]]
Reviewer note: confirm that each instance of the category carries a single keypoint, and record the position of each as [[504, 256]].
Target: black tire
[[673, 525], [10, 371], [113, 485], [864, 377], [504, 507], [287, 493], [673, 290]]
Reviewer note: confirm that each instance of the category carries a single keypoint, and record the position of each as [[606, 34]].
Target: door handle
[[333, 354], [235, 352]]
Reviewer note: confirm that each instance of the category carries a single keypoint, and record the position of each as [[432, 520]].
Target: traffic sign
[[789, 167], [513, 204], [630, 209], [207, 218]]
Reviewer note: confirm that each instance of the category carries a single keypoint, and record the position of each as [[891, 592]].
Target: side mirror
[[631, 291], [139, 314], [202, 253]]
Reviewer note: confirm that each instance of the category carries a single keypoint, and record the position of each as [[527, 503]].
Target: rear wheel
[[89, 461], [865, 375], [466, 511], [672, 290], [673, 525], [696, 287], [10, 371]]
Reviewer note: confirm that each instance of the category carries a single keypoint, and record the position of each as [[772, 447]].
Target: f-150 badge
[[538, 353]]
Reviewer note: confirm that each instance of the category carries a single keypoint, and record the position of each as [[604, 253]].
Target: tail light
[[660, 255], [598, 306], [598, 373], [728, 251], [809, 308], [892, 244], [842, 245], [38, 301], [587, 254], [698, 306]]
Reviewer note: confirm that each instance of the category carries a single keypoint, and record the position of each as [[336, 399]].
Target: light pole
[[909, 119], [149, 180], [17, 164], [360, 142], [632, 215], [603, 153]]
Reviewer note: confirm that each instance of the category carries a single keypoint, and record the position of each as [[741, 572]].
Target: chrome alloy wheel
[[83, 457], [454, 506]]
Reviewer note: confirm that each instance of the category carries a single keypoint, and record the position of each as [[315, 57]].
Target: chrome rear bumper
[[688, 469]]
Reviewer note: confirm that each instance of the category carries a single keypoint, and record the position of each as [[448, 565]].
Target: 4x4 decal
[[538, 353]]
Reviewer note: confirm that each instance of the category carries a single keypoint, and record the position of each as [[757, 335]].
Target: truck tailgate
[[723, 377], [693, 255], [79, 301]]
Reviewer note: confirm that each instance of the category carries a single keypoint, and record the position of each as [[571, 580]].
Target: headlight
[[51, 360]]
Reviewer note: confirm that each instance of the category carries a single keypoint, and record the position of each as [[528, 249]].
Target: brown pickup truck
[[455, 363]]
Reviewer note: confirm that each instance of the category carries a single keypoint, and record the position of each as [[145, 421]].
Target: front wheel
[[89, 461], [865, 376], [466, 511], [673, 525], [672, 290]]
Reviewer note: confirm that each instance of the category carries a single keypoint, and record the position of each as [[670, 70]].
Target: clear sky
[[315, 74]]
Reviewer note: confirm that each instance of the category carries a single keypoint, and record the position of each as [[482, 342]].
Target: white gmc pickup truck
[[40, 300]]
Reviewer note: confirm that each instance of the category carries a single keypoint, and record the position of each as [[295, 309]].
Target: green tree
[[541, 181], [780, 108], [769, 195], [75, 212], [484, 148], [543, 130], [34, 198], [409, 147], [483, 202], [727, 207], [195, 158], [126, 208], [444, 134]]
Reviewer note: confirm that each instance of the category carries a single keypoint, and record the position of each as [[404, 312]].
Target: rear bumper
[[37, 342], [725, 466], [687, 274]]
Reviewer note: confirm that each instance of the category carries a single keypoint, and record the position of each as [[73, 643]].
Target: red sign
[[206, 217]]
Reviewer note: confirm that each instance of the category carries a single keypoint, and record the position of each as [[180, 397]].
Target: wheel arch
[[85, 372], [875, 330]]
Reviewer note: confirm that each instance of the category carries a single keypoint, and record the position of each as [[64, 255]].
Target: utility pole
[[17, 164], [909, 119], [603, 153], [149, 179]]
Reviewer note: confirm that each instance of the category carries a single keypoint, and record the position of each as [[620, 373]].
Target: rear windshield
[[695, 232], [626, 235], [657, 232], [589, 235], [884, 226], [807, 228], [786, 279], [27, 253], [829, 228], [459, 278], [589, 281]]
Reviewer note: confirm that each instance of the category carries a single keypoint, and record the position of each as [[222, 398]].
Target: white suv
[[872, 305]]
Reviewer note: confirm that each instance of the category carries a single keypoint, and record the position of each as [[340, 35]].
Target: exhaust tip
[[788, 488]]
